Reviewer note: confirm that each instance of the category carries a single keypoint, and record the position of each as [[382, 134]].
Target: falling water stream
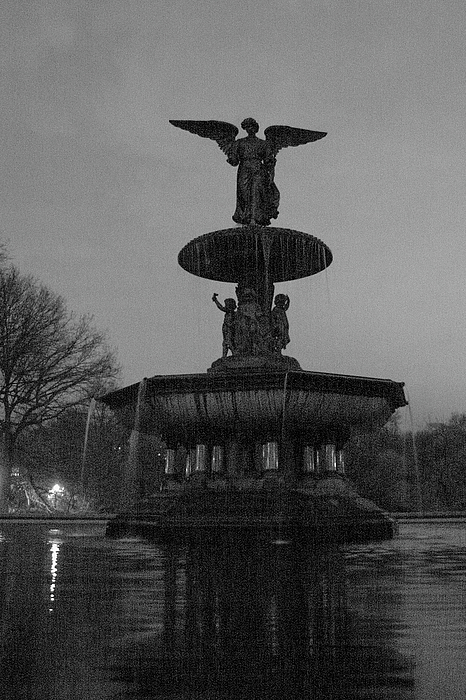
[[90, 413], [266, 246], [417, 476], [129, 493]]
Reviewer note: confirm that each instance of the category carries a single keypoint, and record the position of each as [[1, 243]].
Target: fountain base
[[325, 510]]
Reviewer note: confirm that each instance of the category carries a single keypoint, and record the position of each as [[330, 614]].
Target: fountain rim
[[351, 385]]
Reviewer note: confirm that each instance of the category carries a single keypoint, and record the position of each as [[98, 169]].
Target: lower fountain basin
[[197, 408]]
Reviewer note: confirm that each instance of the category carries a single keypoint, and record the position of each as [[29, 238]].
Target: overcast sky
[[98, 192]]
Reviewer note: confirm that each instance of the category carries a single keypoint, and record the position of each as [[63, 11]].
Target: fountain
[[255, 442]]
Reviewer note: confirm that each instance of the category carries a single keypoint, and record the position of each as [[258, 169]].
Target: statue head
[[250, 124], [230, 304], [280, 300]]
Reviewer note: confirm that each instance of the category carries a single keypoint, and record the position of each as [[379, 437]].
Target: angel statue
[[257, 196]]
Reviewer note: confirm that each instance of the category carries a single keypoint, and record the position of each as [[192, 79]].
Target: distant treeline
[[424, 471]]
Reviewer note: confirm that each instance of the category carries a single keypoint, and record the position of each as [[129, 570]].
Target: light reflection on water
[[54, 550], [86, 617]]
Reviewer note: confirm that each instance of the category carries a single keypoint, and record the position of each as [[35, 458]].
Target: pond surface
[[85, 617]]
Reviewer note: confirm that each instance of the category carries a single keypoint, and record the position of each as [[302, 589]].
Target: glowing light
[[55, 493]]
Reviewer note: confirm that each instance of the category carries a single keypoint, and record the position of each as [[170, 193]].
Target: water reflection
[[44, 655], [54, 550], [230, 618], [238, 620]]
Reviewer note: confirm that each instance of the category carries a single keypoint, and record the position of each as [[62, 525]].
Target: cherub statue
[[257, 196], [280, 325], [228, 327]]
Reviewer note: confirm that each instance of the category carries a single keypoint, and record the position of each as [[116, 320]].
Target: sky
[[99, 193]]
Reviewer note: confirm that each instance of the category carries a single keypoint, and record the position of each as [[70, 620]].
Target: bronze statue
[[280, 325], [257, 196], [228, 327]]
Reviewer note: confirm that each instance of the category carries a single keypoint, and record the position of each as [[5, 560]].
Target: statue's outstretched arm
[[218, 304]]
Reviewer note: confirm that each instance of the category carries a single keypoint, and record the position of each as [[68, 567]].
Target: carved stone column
[[200, 464], [217, 460], [270, 456], [170, 455], [329, 454], [309, 459], [341, 461], [190, 462]]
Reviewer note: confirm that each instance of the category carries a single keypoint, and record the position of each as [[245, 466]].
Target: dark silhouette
[[257, 196], [280, 325], [228, 327]]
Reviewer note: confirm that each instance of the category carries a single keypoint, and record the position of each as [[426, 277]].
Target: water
[[82, 616]]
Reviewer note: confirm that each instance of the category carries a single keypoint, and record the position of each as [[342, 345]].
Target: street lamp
[[54, 492]]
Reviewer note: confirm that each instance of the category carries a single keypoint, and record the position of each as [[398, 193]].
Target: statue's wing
[[282, 136], [221, 132]]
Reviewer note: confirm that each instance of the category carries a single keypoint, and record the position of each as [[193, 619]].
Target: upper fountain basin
[[280, 254]]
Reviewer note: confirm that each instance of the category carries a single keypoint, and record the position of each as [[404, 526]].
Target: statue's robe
[[257, 196]]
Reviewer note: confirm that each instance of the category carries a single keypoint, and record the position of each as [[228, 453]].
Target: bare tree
[[4, 255], [49, 360]]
